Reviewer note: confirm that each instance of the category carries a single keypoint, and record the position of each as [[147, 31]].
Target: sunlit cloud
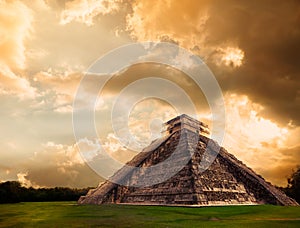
[[11, 84], [258, 141], [165, 22], [89, 148], [63, 155], [24, 181], [15, 27], [84, 11], [249, 129], [230, 56], [190, 30]]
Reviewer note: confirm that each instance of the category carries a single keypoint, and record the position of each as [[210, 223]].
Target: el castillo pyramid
[[227, 181]]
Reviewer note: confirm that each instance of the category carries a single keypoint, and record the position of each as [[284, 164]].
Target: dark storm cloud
[[269, 34]]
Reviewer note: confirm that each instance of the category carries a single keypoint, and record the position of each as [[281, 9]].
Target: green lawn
[[69, 214]]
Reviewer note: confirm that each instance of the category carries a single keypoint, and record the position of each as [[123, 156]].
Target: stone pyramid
[[227, 181]]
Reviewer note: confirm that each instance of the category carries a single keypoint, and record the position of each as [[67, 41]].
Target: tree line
[[14, 192]]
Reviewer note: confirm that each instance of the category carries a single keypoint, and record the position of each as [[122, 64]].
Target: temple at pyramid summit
[[182, 153]]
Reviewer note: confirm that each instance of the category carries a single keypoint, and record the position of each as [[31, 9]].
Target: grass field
[[69, 214]]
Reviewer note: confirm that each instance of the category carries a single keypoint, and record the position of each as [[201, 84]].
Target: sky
[[252, 48]]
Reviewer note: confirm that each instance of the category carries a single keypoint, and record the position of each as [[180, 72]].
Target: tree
[[10, 192], [293, 189]]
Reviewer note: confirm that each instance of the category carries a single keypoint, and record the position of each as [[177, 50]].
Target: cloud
[[22, 178], [109, 146], [228, 56], [16, 19], [84, 11], [146, 123], [62, 155], [57, 165], [282, 168], [56, 89], [241, 111], [259, 142], [15, 27], [12, 84], [90, 149], [179, 21], [258, 40]]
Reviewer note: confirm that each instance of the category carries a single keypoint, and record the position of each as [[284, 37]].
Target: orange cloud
[[84, 11], [13, 84], [229, 56], [16, 19], [259, 142], [15, 26], [183, 23]]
